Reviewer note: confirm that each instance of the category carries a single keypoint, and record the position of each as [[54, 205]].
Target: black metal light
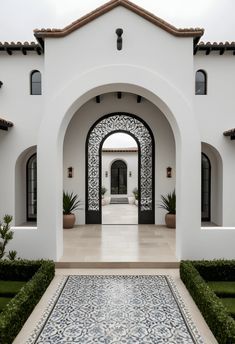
[[119, 33], [70, 172], [169, 172]]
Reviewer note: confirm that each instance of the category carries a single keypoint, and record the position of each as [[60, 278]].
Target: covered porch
[[119, 246]]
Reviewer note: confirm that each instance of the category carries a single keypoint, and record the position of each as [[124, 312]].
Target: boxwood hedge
[[39, 275], [194, 274]]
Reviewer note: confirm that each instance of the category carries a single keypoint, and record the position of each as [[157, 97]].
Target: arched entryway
[[118, 178], [140, 131]]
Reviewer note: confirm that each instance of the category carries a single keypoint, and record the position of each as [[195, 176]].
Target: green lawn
[[223, 289], [8, 289], [226, 292]]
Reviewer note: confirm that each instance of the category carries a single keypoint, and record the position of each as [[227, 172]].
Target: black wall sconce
[[1, 83], [130, 174], [70, 172], [119, 33], [106, 174], [168, 172]]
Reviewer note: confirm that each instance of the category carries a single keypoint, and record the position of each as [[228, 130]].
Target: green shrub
[[229, 303], [216, 270], [18, 270], [19, 308], [216, 315]]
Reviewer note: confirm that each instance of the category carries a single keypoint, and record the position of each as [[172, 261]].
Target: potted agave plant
[[168, 203], [70, 203]]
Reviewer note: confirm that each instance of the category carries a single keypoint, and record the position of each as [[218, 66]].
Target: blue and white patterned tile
[[116, 310]]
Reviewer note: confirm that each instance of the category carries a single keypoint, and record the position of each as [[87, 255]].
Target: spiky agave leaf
[[168, 202]]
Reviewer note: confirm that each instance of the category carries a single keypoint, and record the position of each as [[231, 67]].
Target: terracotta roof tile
[[230, 132], [24, 47], [120, 150], [221, 47], [4, 124], [192, 32]]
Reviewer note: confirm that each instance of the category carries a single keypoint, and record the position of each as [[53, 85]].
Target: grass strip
[[10, 288]]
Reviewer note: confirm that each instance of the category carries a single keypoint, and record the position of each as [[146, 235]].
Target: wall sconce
[[70, 172], [130, 174], [168, 172], [119, 33], [106, 174], [1, 83]]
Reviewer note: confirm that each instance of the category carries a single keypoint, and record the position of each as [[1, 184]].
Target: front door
[[119, 178]]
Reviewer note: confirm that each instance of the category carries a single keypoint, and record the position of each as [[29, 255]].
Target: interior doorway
[[119, 178]]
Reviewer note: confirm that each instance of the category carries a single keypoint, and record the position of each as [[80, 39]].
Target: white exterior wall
[[215, 114], [24, 110], [86, 63], [131, 160]]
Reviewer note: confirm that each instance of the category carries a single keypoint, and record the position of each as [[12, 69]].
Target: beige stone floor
[[40, 308], [119, 243], [119, 214]]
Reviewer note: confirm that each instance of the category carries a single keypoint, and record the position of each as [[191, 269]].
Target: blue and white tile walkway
[[116, 309]]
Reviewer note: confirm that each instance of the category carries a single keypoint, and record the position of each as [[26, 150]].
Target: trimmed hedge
[[216, 270], [18, 270], [216, 315], [39, 273]]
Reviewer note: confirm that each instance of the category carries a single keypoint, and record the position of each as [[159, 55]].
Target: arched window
[[118, 178], [35, 83], [205, 188], [31, 175], [201, 82]]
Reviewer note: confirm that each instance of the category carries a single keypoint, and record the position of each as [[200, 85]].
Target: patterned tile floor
[[118, 309], [136, 299]]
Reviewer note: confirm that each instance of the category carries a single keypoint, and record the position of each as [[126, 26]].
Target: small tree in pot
[[70, 203], [168, 203]]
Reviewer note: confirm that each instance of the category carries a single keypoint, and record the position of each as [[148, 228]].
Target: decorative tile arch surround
[[140, 131]]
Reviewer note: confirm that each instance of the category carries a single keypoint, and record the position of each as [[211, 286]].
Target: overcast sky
[[18, 18], [119, 140]]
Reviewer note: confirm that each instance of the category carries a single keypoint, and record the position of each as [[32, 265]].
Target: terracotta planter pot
[[68, 221], [170, 220]]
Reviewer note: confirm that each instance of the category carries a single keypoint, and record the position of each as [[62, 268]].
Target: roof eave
[[57, 33]]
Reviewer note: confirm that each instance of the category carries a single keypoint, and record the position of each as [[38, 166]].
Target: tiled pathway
[[40, 308]]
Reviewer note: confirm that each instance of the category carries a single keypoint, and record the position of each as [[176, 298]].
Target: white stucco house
[[118, 69]]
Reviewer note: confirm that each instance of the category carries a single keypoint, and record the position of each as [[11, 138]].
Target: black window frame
[[204, 82], [208, 218], [29, 161], [35, 82]]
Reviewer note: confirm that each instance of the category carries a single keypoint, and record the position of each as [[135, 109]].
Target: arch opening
[[211, 185], [98, 133], [120, 180], [26, 187]]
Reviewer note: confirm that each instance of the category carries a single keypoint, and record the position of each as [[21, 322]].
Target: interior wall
[[84, 118], [20, 186]]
